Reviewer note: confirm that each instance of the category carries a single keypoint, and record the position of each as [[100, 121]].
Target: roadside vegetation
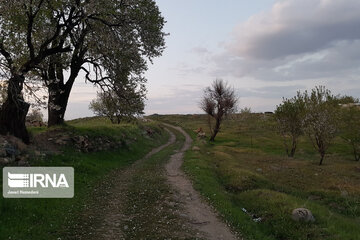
[[50, 218], [248, 177]]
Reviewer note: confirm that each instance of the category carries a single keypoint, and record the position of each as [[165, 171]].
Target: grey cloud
[[341, 60], [272, 92], [295, 27]]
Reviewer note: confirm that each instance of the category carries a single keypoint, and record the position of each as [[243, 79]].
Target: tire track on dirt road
[[151, 199], [202, 217], [104, 218]]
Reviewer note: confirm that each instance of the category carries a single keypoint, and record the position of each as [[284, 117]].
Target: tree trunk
[[14, 110], [293, 148], [216, 130], [59, 91], [356, 154], [58, 100], [322, 158]]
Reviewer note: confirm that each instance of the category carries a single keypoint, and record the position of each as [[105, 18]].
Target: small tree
[[290, 116], [118, 107], [350, 131], [218, 101], [35, 116], [245, 116], [321, 119]]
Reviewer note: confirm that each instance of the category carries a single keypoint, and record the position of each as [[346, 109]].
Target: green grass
[[48, 218], [247, 168]]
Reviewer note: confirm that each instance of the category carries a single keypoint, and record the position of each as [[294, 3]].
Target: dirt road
[[152, 199], [200, 214]]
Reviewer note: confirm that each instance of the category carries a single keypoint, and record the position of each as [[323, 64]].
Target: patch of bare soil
[[198, 212]]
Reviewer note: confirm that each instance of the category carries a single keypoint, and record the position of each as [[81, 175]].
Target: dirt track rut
[[146, 201], [200, 214]]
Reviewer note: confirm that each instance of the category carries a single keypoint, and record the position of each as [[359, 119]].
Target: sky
[[265, 49]]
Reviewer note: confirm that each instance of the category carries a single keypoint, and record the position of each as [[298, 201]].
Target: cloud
[[184, 69], [295, 27], [270, 91], [306, 42], [295, 45], [182, 99], [200, 51]]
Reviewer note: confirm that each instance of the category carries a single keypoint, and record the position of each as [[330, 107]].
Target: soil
[[146, 201], [200, 214]]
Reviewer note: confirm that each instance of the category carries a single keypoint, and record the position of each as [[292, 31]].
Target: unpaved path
[[105, 217], [146, 201], [200, 214]]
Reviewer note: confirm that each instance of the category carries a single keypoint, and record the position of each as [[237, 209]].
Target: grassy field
[[49, 218], [247, 169]]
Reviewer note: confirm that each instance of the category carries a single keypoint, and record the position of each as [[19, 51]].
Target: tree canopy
[[290, 115], [110, 41]]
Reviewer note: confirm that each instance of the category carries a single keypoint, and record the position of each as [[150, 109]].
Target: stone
[[18, 143], [344, 193], [2, 152], [196, 148], [22, 162], [302, 214], [201, 135], [81, 138], [4, 161], [60, 142], [11, 150]]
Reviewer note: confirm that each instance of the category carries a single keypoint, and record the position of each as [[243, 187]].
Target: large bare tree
[[218, 101]]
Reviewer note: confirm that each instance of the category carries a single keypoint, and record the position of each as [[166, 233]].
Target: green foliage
[[322, 118], [347, 99], [42, 219], [290, 115], [111, 41], [350, 130], [118, 108], [234, 174]]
